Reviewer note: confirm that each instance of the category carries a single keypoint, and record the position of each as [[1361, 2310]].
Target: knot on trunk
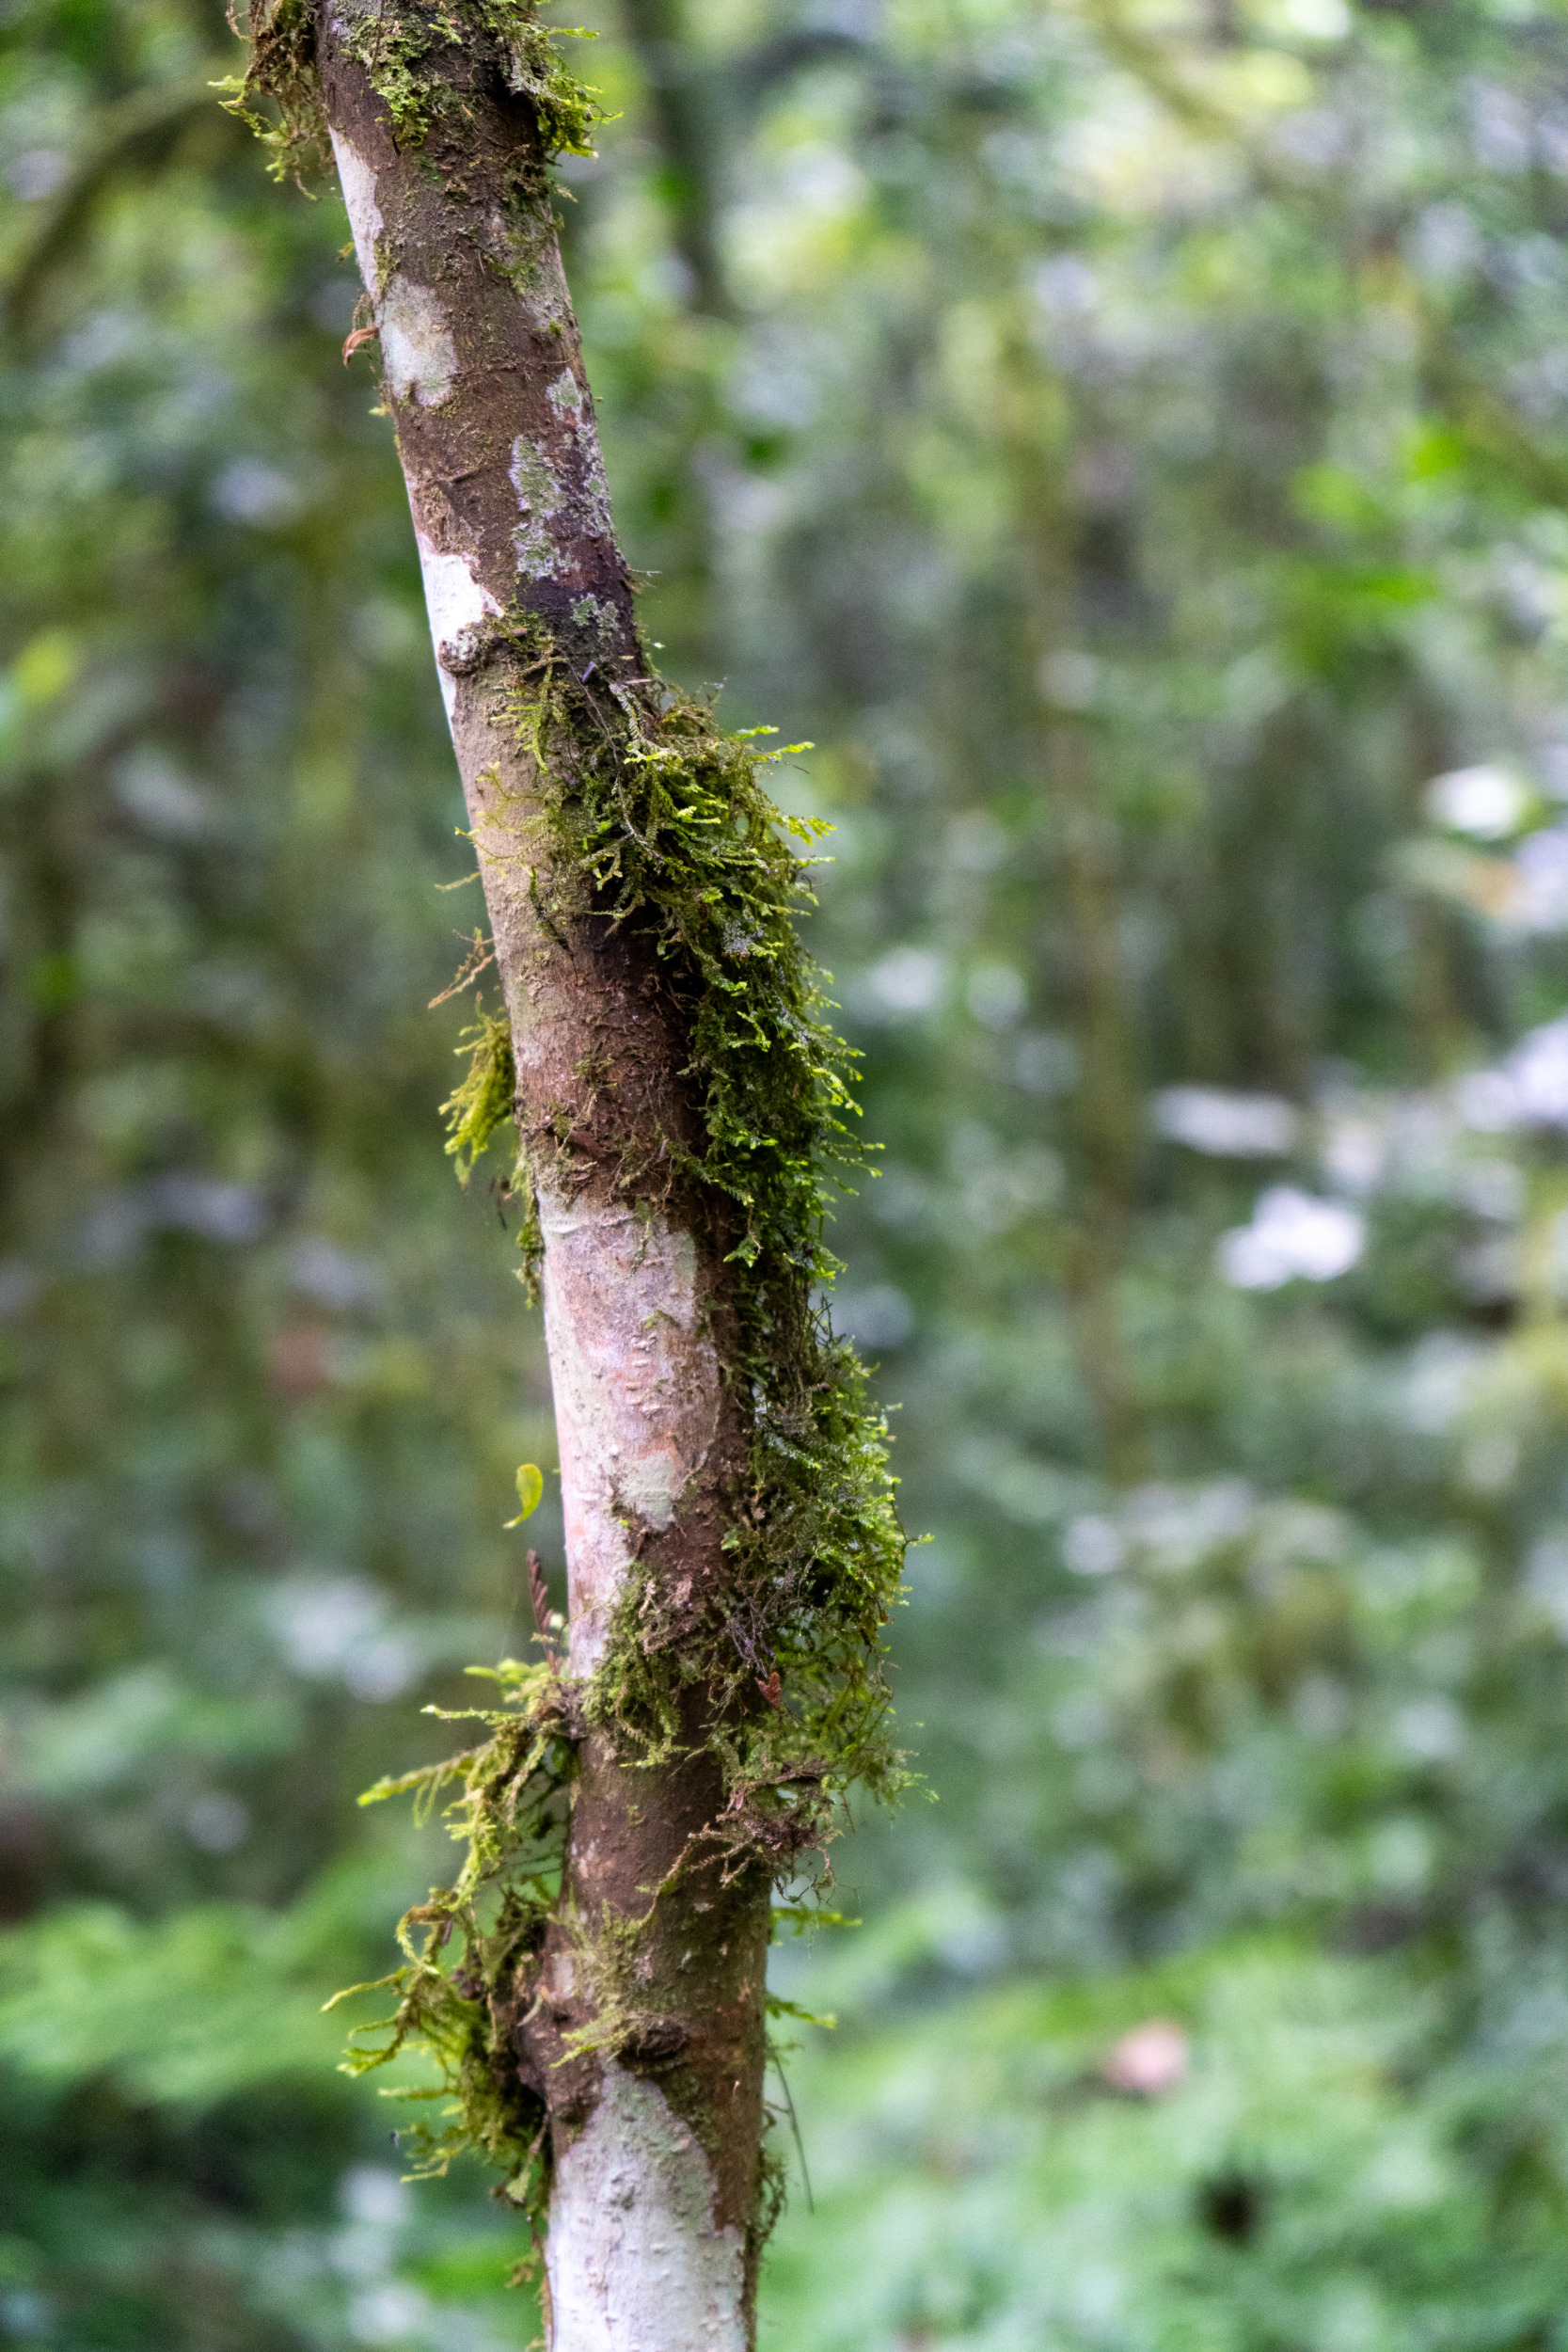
[[655, 2042]]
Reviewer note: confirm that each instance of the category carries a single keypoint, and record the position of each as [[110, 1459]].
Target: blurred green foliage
[[1131, 440]]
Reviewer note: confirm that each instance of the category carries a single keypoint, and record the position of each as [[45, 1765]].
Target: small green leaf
[[780, 2007], [531, 1485]]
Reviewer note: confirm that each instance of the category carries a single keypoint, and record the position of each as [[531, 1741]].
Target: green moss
[[402, 49], [668, 823], [480, 1103], [465, 1948], [665, 828]]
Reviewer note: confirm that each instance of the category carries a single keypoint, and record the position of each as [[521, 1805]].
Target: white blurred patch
[[879, 1316], [1179, 1526], [1540, 862], [1486, 803], [821, 178], [1355, 1149], [1487, 1101], [1227, 1125], [1002, 1187], [1441, 1382], [1401, 1854], [1501, 127], [1320, 1706], [384, 1669], [996, 995], [1293, 1237], [1490, 1464], [907, 980], [321, 1623], [116, 1225], [1317, 137], [389, 2312], [1403, 2177], [1045, 1064], [968, 1936], [1066, 287], [38, 174], [1069, 679], [250, 491], [1491, 1188], [370, 2193], [1546, 1579], [1093, 1547], [154, 791], [1537, 1069], [1315, 20], [1430, 1729], [976, 843], [328, 1275], [1447, 241], [217, 1822]]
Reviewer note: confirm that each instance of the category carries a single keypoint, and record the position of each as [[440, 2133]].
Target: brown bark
[[644, 2031]]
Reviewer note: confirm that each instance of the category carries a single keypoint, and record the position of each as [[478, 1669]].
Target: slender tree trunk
[[677, 1222], [1105, 1113], [655, 2201]]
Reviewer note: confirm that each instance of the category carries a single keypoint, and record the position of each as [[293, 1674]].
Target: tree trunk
[[728, 1515]]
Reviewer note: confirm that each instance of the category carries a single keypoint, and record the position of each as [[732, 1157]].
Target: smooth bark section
[[636, 1380], [643, 2030], [634, 2263]]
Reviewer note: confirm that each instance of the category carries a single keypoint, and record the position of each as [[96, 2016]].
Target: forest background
[[1130, 438]]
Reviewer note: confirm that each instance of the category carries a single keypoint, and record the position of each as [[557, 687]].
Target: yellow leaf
[[531, 1485]]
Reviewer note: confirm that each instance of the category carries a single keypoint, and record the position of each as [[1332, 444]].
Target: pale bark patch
[[364, 215], [635, 1381], [416, 346], [635, 2261], [457, 606]]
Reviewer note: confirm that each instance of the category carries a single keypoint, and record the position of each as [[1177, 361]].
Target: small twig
[[539, 1599], [481, 955], [795, 2127], [360, 335]]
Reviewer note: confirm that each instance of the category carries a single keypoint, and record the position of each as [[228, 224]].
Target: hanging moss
[[480, 1103], [402, 49], [463, 1949]]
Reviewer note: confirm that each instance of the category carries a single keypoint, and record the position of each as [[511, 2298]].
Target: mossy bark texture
[[592, 1987], [657, 2137], [732, 1544]]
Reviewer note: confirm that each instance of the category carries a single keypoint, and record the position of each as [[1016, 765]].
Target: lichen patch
[[416, 346], [540, 497], [566, 395]]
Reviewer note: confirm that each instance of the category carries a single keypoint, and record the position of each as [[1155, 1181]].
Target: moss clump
[[458, 2005], [666, 825], [663, 824], [480, 1103], [401, 48]]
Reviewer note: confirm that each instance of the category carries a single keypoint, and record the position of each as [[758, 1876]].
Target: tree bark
[[655, 2129]]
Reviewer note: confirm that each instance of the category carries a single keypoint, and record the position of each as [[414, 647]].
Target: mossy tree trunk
[[732, 1550]]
